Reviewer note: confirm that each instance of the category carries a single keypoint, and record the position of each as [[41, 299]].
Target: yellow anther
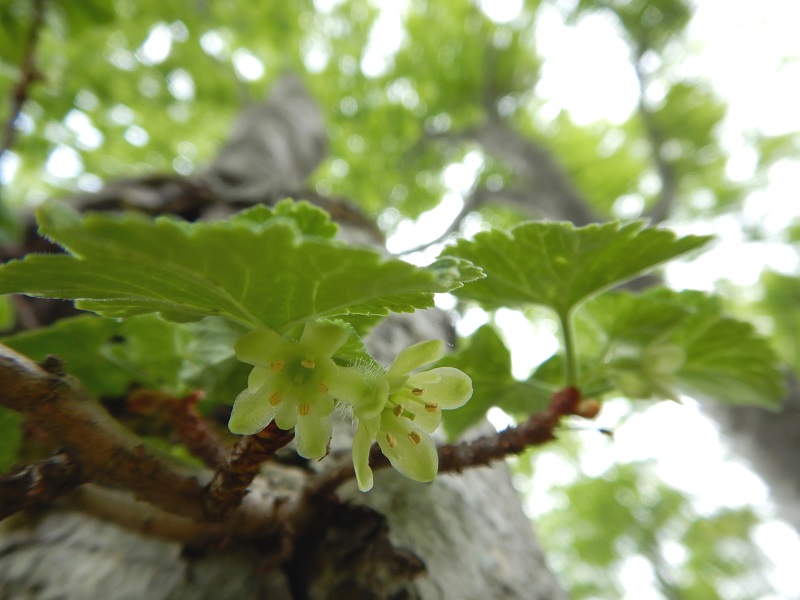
[[304, 408], [323, 388], [418, 391], [431, 407], [308, 364], [275, 398], [391, 440], [414, 437], [276, 366], [398, 410]]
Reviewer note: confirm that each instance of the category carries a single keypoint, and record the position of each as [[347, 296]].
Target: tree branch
[[28, 75], [107, 453], [37, 485], [230, 483], [537, 430]]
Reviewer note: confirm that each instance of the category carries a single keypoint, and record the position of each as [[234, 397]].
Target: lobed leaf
[[255, 270], [559, 265], [720, 358]]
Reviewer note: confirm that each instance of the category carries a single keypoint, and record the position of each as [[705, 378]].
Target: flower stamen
[[277, 366], [414, 437], [308, 364], [275, 398]]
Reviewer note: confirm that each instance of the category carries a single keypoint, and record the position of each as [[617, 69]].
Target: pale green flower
[[290, 384], [400, 410]]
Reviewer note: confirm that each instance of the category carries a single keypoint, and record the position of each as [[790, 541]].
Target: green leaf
[[108, 356], [727, 361], [782, 303], [559, 265], [485, 358], [10, 437], [81, 342], [665, 343], [258, 274], [210, 363], [309, 219]]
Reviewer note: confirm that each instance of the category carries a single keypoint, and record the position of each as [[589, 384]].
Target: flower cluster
[[290, 384], [297, 385]]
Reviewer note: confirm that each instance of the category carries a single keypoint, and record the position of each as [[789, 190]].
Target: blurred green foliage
[[681, 554], [136, 87]]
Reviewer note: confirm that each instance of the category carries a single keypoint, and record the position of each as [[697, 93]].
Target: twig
[[28, 75], [475, 200], [190, 427], [37, 485], [229, 485], [121, 508], [537, 430], [194, 432]]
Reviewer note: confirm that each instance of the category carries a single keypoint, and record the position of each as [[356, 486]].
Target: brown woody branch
[[28, 75], [107, 453], [230, 483], [37, 485]]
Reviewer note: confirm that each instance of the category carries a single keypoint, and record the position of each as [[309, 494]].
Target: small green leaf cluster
[[654, 344], [297, 384]]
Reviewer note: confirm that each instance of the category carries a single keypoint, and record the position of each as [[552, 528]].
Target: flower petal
[[362, 441], [426, 417], [251, 411], [410, 450], [446, 386], [261, 347], [321, 404], [415, 356], [312, 435], [286, 414], [259, 376], [323, 338]]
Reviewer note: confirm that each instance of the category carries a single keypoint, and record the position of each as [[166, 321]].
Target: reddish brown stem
[[537, 430], [194, 432], [228, 487]]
